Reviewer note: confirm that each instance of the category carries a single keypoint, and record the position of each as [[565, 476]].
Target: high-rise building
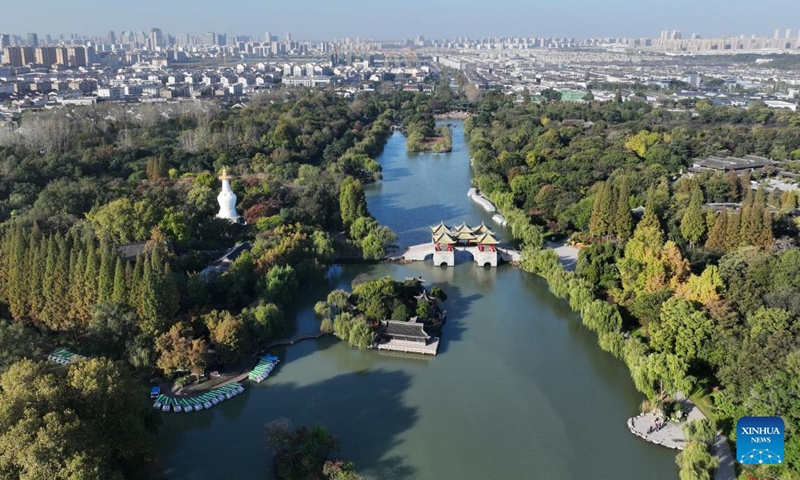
[[5, 40], [19, 56], [156, 38], [777, 33], [28, 55], [78, 56], [267, 37], [12, 56], [62, 56], [788, 33], [46, 56], [112, 37], [33, 40]]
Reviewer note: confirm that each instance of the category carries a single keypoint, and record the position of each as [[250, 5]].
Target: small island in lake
[[423, 137], [386, 314]]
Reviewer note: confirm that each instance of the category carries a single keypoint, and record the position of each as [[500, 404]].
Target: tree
[[119, 290], [80, 424], [703, 289], [693, 224], [623, 219], [601, 222], [342, 325], [281, 284], [340, 470], [352, 202], [299, 453], [178, 352], [695, 462], [377, 242], [18, 341], [360, 334], [264, 322], [669, 372], [113, 325], [228, 335], [702, 430], [376, 298], [682, 330], [717, 234]]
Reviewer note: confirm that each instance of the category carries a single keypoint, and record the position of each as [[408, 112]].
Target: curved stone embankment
[[481, 200], [451, 116]]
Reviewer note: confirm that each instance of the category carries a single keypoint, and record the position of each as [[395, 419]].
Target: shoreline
[[451, 116]]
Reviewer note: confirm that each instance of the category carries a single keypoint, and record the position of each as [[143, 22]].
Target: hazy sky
[[323, 19]]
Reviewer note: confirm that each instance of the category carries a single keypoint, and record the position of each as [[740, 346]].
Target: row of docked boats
[[62, 356], [265, 366], [206, 400]]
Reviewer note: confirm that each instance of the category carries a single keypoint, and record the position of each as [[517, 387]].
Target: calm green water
[[519, 390]]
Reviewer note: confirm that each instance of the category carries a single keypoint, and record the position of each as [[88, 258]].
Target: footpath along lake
[[519, 390]]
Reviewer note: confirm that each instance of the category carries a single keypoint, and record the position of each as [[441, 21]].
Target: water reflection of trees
[[365, 410]]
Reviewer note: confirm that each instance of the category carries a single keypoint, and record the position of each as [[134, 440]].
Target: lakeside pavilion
[[407, 337], [446, 238]]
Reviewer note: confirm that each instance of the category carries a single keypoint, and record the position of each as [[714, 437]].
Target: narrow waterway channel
[[519, 389]]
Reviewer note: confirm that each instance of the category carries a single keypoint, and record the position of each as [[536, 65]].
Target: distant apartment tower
[[156, 38], [5, 40], [777, 33], [19, 56], [13, 56], [33, 40], [788, 33], [46, 56], [112, 37]]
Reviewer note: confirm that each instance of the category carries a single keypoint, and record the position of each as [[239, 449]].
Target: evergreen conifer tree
[[77, 305], [119, 293], [105, 279], [59, 306], [90, 277], [17, 265], [135, 292], [623, 220], [601, 222], [693, 224], [716, 235], [732, 232]]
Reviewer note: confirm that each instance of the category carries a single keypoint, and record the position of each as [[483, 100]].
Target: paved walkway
[[671, 436], [567, 254], [722, 450]]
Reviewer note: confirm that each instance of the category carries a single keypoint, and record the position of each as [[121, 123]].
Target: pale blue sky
[[322, 19]]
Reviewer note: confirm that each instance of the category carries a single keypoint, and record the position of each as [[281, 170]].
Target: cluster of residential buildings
[[156, 66]]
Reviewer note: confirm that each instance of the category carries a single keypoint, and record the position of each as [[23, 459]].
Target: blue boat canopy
[[155, 391]]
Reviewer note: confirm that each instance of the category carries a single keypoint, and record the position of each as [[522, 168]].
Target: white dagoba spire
[[227, 199]]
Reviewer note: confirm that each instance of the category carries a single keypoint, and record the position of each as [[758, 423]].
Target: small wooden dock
[[410, 347]]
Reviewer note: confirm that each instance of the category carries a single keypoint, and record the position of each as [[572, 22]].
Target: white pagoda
[[227, 199]]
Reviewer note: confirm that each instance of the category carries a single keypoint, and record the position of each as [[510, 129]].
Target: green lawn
[[701, 396]]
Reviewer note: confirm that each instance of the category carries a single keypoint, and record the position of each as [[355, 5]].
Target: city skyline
[[469, 18]]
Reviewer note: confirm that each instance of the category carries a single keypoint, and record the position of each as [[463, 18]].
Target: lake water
[[519, 389]]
